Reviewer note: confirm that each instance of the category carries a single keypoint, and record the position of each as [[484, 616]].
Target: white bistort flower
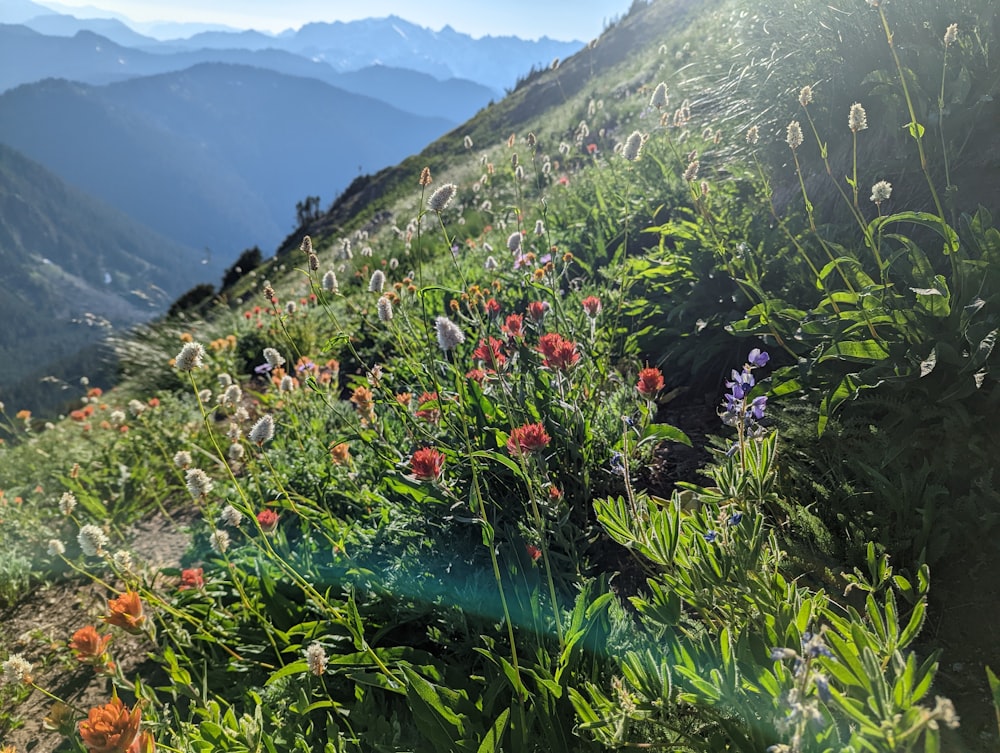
[[92, 540]]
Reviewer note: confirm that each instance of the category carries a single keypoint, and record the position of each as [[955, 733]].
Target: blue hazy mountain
[[72, 267], [213, 156]]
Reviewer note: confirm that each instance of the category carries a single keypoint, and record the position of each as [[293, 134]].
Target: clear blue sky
[[530, 19]]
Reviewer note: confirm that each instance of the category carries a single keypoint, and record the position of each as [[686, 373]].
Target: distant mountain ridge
[[495, 62], [214, 156]]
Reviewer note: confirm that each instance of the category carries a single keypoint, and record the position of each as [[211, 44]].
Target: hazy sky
[[559, 19]]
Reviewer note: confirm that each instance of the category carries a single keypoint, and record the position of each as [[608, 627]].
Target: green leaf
[[994, 691], [864, 351], [295, 668], [491, 740], [664, 432], [916, 130], [442, 726]]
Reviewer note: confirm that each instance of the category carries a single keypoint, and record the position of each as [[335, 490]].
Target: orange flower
[[126, 612], [340, 453], [559, 352], [89, 646], [650, 382], [427, 463], [432, 413], [22, 415], [111, 728], [193, 577], [528, 438]]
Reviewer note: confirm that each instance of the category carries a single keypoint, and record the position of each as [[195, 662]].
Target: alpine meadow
[[652, 408]]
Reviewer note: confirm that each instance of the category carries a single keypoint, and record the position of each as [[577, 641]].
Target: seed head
[[377, 281], [448, 333], [691, 173], [67, 503], [659, 100], [384, 306], [330, 281], [753, 135], [805, 96], [316, 656], [857, 119], [273, 357], [514, 242], [230, 515], [425, 177], [794, 135], [881, 191], [307, 245], [198, 482], [190, 357], [633, 146], [92, 540], [468, 142], [262, 431], [182, 458], [441, 197], [219, 541], [951, 35]]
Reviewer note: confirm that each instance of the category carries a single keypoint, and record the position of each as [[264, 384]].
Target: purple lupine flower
[[710, 536], [758, 358], [758, 406], [735, 518], [822, 687]]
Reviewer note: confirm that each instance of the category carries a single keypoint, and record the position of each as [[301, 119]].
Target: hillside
[[73, 269], [653, 408]]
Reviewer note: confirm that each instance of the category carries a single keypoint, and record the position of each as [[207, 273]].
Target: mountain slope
[[216, 156], [71, 266]]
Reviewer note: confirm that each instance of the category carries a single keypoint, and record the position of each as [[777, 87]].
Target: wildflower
[[492, 307], [192, 577], [534, 552], [306, 246], [734, 519], [330, 281], [758, 358], [362, 399], [659, 100], [67, 503], [122, 560], [633, 146], [490, 264], [691, 173], [126, 612], [944, 710], [16, 669], [650, 382], [92, 540], [262, 431], [514, 242], [805, 96], [198, 482], [537, 310], [88, 646], [231, 516], [111, 728], [219, 541], [881, 191], [425, 177], [513, 325], [448, 334], [794, 135], [591, 306], [857, 118], [190, 357], [273, 357], [267, 520], [427, 464], [316, 656], [56, 548], [528, 438], [710, 536], [377, 281], [441, 197], [432, 413], [384, 306], [467, 141], [559, 353], [951, 35], [340, 453], [780, 654], [490, 353]]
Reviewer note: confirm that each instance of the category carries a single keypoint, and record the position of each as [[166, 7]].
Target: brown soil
[[42, 623]]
